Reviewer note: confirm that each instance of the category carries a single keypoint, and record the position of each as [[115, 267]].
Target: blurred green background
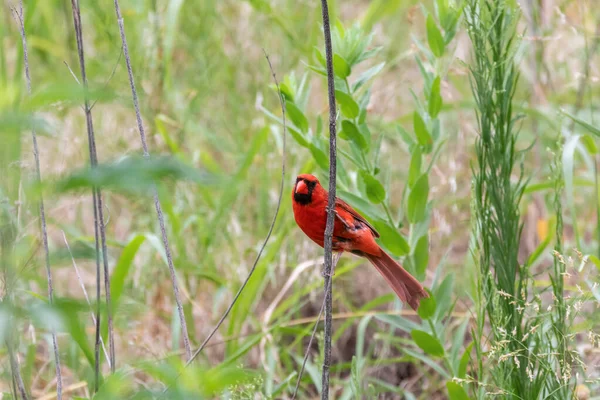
[[211, 110]]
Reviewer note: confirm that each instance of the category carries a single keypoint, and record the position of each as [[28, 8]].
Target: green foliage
[[216, 135], [133, 175]]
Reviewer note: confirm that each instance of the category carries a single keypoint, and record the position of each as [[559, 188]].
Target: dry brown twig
[[327, 271], [19, 17], [99, 225]]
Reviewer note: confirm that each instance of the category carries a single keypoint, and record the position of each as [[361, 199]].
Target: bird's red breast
[[351, 232]]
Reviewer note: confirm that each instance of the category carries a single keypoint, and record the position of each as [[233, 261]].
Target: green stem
[[389, 215]]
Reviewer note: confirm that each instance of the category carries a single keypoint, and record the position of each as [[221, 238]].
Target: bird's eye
[[311, 184]]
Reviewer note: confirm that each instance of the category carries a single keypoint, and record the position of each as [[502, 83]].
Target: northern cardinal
[[351, 232]]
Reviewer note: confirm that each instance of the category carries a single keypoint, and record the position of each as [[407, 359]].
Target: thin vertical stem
[[330, 203], [336, 258], [20, 17], [99, 226], [157, 205], [16, 373]]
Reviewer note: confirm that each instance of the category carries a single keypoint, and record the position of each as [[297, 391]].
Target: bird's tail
[[408, 289]]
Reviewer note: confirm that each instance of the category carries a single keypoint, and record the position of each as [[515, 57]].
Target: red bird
[[351, 232]]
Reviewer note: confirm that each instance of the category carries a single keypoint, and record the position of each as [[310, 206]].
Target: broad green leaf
[[435, 98], [297, 116], [286, 91], [361, 205], [391, 239], [421, 132], [414, 170], [417, 199], [456, 392], [434, 37], [464, 361], [340, 67], [133, 175], [298, 137], [374, 188], [427, 308], [67, 93], [421, 255], [319, 156], [349, 107], [352, 132], [427, 343]]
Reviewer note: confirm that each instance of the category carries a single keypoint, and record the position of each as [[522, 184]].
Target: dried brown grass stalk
[[327, 271], [20, 18], [99, 226]]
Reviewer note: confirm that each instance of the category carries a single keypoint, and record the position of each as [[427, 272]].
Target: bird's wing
[[339, 203]]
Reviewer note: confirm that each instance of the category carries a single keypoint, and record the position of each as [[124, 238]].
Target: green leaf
[[367, 75], [414, 171], [421, 255], [417, 199], [319, 156], [361, 205], [405, 136], [63, 316], [421, 132], [427, 343], [67, 93], [434, 37], [595, 260], [435, 98], [591, 128], [117, 280], [15, 122], [319, 56], [349, 107], [340, 67], [352, 132], [374, 188], [391, 239], [427, 308], [464, 361], [133, 175], [297, 116], [286, 91], [590, 144], [456, 392], [298, 137]]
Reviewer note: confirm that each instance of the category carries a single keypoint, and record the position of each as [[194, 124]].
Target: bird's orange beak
[[301, 188]]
